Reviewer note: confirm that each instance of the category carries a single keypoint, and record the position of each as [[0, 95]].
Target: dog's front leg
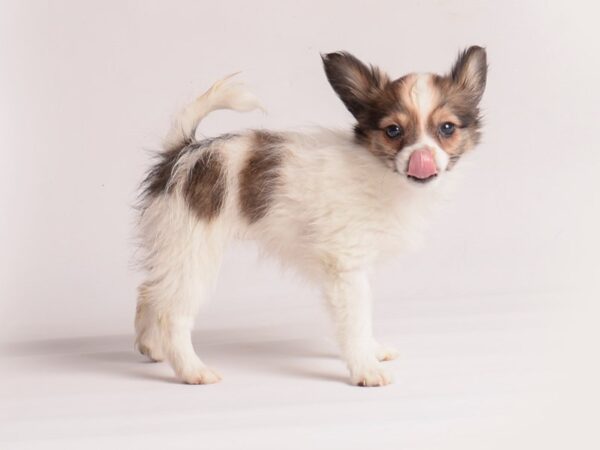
[[349, 298]]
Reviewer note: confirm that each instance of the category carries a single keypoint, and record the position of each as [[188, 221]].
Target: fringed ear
[[356, 84], [469, 72]]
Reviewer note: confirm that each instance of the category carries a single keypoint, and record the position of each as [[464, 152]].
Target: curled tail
[[224, 94]]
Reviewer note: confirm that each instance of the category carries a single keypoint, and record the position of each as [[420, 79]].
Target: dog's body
[[328, 203]]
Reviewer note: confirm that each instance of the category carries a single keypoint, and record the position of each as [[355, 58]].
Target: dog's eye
[[447, 129], [394, 131]]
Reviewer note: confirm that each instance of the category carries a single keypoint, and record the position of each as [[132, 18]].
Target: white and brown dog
[[329, 203]]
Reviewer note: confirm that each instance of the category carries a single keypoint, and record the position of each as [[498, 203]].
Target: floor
[[469, 369]]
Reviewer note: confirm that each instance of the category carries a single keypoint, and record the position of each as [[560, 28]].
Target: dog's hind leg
[[183, 255], [148, 339]]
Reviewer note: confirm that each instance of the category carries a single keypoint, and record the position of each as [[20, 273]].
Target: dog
[[329, 203]]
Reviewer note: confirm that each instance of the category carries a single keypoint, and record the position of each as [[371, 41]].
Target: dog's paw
[[151, 351], [371, 376], [201, 375], [385, 353]]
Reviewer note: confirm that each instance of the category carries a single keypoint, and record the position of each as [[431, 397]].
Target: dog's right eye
[[393, 131]]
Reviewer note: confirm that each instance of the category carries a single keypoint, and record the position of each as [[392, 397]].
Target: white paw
[[385, 353], [374, 375], [202, 375], [151, 350]]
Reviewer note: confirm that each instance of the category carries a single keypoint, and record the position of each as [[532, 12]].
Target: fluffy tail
[[224, 94]]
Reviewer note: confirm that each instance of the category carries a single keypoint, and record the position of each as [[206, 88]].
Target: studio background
[[87, 90]]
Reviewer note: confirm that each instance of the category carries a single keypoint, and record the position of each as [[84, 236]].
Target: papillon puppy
[[329, 203]]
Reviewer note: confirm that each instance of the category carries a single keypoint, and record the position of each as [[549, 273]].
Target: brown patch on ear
[[205, 187], [469, 73], [358, 86], [260, 177]]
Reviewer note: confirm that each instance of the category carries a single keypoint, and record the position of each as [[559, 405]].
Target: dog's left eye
[[447, 129], [393, 131]]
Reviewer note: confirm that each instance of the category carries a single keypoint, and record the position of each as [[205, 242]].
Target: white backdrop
[[87, 88], [492, 317]]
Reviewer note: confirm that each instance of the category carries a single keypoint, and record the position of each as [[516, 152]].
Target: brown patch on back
[[158, 177], [205, 187], [260, 177]]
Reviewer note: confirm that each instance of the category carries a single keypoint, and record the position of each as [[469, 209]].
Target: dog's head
[[419, 124]]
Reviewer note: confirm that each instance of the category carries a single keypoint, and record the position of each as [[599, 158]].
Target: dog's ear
[[469, 72], [356, 84]]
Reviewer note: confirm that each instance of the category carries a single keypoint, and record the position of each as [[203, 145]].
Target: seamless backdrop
[[495, 316], [87, 90]]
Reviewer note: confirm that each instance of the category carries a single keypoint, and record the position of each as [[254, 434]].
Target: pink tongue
[[421, 164]]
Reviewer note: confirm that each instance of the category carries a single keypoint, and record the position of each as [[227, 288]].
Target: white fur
[[337, 212], [422, 98], [224, 94]]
